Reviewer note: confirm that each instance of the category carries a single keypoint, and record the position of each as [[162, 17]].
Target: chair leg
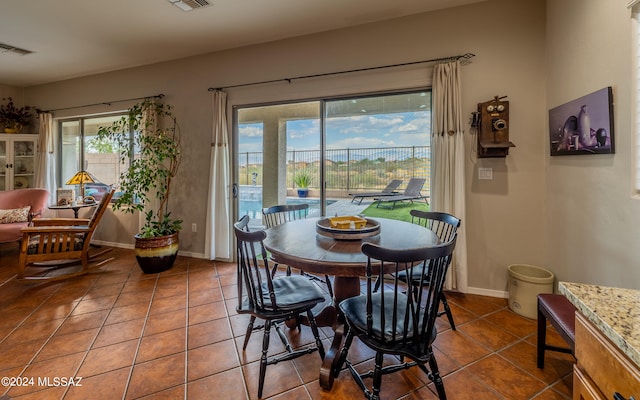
[[329, 285], [263, 358], [377, 376], [542, 338], [436, 378], [247, 335], [447, 311], [316, 333]]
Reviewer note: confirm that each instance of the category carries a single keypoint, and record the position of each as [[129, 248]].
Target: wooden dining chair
[[394, 321], [445, 226], [279, 214], [274, 300]]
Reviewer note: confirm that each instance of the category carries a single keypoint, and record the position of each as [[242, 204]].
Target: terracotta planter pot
[[156, 254]]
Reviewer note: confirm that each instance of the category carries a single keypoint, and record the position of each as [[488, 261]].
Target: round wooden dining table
[[297, 244]]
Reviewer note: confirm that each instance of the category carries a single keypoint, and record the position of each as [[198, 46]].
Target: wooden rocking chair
[[58, 243]]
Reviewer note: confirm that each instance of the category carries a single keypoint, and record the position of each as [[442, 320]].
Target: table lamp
[[80, 178]]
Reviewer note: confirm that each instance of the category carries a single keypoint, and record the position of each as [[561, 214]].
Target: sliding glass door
[[341, 146], [277, 145]]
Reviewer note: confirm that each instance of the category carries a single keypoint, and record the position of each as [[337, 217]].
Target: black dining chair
[[273, 300], [394, 321], [445, 226], [279, 214]]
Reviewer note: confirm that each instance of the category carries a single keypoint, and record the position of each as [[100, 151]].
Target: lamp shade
[[81, 177]]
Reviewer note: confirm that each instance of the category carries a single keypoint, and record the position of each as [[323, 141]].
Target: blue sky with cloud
[[359, 131]]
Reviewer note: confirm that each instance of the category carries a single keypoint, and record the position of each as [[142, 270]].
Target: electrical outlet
[[194, 227], [485, 173]]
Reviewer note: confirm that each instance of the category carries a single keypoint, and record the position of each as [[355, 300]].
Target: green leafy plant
[[155, 155], [302, 180], [10, 114]]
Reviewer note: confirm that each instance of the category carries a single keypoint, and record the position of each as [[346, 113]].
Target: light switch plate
[[485, 173]]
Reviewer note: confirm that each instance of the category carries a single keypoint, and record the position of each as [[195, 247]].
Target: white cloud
[[250, 130]]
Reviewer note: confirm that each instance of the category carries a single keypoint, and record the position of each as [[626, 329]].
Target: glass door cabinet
[[17, 161]]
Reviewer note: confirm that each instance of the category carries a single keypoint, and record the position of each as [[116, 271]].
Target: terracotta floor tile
[[463, 385], [52, 393], [207, 312], [279, 378], [64, 366], [165, 322], [512, 322], [200, 297], [479, 305], [162, 344], [166, 304], [226, 385], [505, 378], [145, 285], [127, 313], [556, 365], [60, 345], [156, 375], [177, 335], [110, 385], [171, 290], [129, 298], [208, 333], [459, 347], [83, 321], [230, 291], [550, 394], [494, 337], [97, 291], [49, 312], [107, 358], [211, 359], [29, 332], [13, 356], [97, 304], [121, 332], [174, 393]]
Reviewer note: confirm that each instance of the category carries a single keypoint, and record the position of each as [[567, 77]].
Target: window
[[80, 150]]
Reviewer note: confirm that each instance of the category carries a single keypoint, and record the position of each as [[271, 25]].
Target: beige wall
[[593, 226], [508, 220]]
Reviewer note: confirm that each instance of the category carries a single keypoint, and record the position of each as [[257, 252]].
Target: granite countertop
[[615, 311]]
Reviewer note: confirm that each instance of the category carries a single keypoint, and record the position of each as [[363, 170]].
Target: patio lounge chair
[[411, 193], [390, 190]]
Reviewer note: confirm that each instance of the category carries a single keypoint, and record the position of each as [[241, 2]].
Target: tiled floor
[[176, 335]]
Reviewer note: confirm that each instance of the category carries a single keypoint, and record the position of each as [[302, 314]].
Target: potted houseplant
[[302, 181], [13, 118], [145, 186]]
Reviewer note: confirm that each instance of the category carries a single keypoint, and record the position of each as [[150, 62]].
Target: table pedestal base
[[343, 288]]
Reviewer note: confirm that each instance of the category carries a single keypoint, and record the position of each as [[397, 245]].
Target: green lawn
[[399, 212]]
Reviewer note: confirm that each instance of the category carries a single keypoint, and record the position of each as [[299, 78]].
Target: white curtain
[[218, 244], [447, 177], [45, 159]]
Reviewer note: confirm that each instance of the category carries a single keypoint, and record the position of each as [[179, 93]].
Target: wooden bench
[[559, 311]]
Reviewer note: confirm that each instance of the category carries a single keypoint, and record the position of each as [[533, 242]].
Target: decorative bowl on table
[[347, 228]]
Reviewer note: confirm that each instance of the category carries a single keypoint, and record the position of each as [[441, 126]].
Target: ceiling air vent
[[5, 48], [188, 5]]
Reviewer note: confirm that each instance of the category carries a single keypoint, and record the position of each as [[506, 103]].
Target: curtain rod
[[108, 103], [466, 56]]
